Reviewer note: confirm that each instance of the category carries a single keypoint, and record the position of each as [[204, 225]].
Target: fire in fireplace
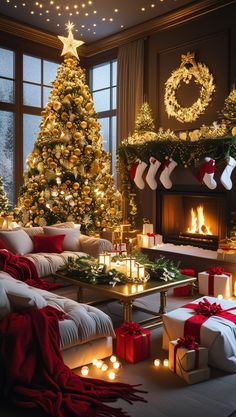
[[197, 219]]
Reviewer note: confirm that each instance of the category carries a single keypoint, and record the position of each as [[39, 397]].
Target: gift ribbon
[[203, 311], [132, 328], [187, 342], [212, 271], [151, 234], [207, 168]]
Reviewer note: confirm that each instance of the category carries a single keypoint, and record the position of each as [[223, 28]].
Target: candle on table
[[166, 362], [157, 362], [84, 370]]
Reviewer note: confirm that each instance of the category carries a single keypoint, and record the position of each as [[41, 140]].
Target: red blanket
[[23, 269], [34, 375]]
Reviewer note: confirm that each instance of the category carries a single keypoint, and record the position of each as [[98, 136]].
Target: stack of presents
[[197, 335]]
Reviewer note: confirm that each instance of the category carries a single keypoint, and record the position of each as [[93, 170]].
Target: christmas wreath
[[188, 69]]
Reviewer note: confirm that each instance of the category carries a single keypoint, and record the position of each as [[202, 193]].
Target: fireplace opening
[[193, 219]]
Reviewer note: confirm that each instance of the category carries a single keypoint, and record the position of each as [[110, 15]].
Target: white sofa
[[88, 332]]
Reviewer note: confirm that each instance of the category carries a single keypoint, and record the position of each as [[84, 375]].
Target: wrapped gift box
[[120, 247], [186, 358], [221, 284], [193, 377], [132, 347], [147, 228], [149, 241], [216, 333], [181, 291], [226, 255]]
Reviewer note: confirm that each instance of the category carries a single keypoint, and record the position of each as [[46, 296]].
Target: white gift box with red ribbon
[[147, 228], [215, 284], [187, 358], [150, 240]]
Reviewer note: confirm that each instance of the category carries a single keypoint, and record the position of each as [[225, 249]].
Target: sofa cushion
[[17, 241], [49, 244], [49, 263], [71, 241], [5, 307]]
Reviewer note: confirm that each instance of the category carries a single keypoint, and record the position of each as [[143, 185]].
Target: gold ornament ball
[[49, 160], [112, 210], [64, 116], [68, 182], [88, 149], [76, 186], [41, 200], [89, 106], [70, 147], [98, 224], [43, 181], [234, 131], [103, 223], [66, 152], [27, 202], [88, 201], [55, 92], [64, 186], [56, 105], [77, 135], [84, 124], [35, 185], [95, 168], [55, 132], [77, 151], [33, 208], [69, 125], [73, 159], [86, 189], [53, 165], [98, 153]]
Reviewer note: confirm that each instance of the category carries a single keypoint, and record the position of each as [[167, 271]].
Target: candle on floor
[[220, 297], [111, 375], [116, 365], [104, 367], [84, 370], [166, 362], [94, 362], [113, 358], [99, 364], [157, 362]]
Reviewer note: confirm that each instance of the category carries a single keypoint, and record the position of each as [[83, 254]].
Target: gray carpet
[[168, 395]]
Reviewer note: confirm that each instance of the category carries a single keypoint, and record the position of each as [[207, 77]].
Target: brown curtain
[[130, 78]]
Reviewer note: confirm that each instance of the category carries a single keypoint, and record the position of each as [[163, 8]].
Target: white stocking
[[169, 166], [226, 174], [206, 173], [137, 171], [152, 170]]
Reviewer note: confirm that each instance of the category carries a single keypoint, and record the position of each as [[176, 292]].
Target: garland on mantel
[[184, 152]]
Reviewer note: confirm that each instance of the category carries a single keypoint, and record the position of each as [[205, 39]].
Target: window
[[37, 77], [103, 84]]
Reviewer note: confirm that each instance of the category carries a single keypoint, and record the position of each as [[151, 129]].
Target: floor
[[167, 394]]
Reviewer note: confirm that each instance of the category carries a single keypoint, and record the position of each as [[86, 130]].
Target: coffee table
[[126, 294]]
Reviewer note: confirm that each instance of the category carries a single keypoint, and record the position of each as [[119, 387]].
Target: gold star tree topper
[[70, 44]]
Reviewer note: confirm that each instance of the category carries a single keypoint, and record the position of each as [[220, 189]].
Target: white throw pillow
[[33, 231], [71, 240], [5, 307], [17, 241], [21, 295]]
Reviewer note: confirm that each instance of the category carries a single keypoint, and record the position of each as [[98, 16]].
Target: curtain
[[130, 79]]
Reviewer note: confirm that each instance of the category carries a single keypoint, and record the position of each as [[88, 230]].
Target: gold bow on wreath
[[189, 58]]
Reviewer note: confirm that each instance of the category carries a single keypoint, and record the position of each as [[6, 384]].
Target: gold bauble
[[41, 211], [112, 211], [234, 131], [56, 84], [76, 185], [77, 135], [75, 195], [55, 92], [33, 208], [69, 125], [86, 189], [64, 186], [73, 159], [41, 200], [40, 166], [103, 223], [70, 147], [88, 149], [68, 182], [95, 168], [43, 181], [64, 116], [78, 100], [88, 201], [53, 165], [27, 202], [89, 106], [98, 153], [56, 105], [44, 154], [30, 190], [55, 132], [84, 124], [49, 160], [77, 151], [35, 185], [66, 152], [98, 224], [35, 152]]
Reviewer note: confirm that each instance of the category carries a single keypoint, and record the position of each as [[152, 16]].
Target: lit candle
[[130, 267], [157, 362], [133, 289], [111, 375], [104, 367], [105, 259], [113, 358], [99, 364], [140, 271], [166, 362], [84, 370], [116, 365], [220, 297], [140, 288], [94, 362]]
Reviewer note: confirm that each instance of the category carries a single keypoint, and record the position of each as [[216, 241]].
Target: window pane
[[32, 95], [49, 72], [46, 92], [7, 139], [114, 73], [7, 91], [31, 69], [113, 98], [105, 132], [30, 131], [6, 63], [101, 76], [102, 100]]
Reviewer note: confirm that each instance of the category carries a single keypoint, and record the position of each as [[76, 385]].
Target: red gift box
[[185, 289], [132, 342]]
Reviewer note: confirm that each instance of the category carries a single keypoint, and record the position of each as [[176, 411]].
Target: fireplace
[[192, 218]]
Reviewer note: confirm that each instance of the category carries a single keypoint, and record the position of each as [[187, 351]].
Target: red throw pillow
[[3, 244], [50, 244]]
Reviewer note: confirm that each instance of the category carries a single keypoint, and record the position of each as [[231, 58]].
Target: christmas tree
[[144, 126], [4, 203], [67, 176], [228, 113]]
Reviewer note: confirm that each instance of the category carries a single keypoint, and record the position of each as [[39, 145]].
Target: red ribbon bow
[[216, 270], [187, 342], [205, 308], [131, 328], [151, 234]]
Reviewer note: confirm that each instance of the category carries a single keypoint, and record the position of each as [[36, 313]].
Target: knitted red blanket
[[23, 269], [34, 375]]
